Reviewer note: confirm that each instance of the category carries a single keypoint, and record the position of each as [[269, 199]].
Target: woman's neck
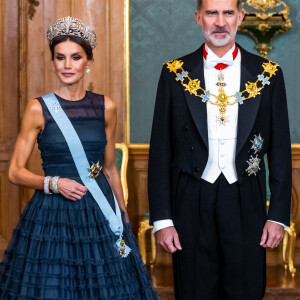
[[71, 92]]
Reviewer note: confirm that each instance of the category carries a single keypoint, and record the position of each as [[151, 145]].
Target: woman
[[71, 241]]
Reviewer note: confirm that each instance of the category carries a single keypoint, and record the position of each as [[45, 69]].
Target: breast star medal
[[253, 167], [94, 170], [257, 143]]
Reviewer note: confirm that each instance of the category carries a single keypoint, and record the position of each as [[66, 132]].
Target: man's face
[[219, 20]]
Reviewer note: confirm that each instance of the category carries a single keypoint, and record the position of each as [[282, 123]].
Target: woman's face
[[70, 62]]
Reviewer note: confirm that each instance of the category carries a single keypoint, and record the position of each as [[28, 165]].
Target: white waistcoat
[[222, 138]]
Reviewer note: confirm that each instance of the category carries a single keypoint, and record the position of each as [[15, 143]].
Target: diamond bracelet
[[54, 184], [46, 185]]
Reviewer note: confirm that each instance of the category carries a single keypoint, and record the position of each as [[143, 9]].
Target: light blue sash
[[82, 165]]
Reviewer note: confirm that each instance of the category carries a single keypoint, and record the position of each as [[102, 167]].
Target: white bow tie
[[212, 59]]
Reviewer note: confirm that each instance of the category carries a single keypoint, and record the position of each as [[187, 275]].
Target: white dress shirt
[[221, 138]]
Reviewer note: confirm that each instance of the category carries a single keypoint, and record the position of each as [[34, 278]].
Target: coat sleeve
[[279, 155], [160, 156]]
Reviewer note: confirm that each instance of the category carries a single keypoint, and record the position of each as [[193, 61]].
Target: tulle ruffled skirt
[[62, 249]]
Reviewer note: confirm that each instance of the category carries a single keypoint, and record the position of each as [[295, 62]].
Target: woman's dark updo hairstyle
[[63, 38]]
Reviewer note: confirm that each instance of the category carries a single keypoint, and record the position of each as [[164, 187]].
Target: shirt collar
[[211, 59]]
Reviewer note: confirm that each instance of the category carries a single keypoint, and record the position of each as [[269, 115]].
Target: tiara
[[72, 26]]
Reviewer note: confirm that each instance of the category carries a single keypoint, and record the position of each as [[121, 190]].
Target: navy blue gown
[[63, 249]]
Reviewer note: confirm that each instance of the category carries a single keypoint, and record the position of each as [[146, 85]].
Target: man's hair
[[238, 3]]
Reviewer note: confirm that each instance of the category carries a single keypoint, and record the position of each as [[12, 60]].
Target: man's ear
[[198, 18], [241, 17]]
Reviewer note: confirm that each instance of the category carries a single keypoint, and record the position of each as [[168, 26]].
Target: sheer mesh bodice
[[87, 117]]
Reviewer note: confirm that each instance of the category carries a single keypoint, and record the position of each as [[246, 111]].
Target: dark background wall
[[161, 30]]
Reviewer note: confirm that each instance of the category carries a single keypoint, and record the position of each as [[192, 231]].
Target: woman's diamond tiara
[[72, 26]]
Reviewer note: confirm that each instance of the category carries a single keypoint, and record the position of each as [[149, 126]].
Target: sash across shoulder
[[82, 165]]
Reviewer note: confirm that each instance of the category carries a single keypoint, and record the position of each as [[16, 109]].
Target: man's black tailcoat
[[179, 140]]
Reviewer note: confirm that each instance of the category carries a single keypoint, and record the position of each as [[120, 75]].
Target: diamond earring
[[87, 70]]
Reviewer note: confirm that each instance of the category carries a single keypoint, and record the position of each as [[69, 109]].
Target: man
[[218, 111]]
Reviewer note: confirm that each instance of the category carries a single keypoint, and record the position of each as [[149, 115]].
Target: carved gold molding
[[139, 151], [263, 5], [296, 155], [295, 147], [143, 228], [91, 87], [23, 37], [288, 248], [31, 8], [123, 171], [264, 20]]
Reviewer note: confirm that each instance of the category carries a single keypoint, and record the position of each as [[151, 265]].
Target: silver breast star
[[257, 143], [253, 167]]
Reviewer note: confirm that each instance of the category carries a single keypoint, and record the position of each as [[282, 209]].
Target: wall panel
[[2, 202], [9, 115], [1, 74]]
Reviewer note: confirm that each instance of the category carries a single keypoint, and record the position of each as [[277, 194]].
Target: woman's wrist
[[51, 185]]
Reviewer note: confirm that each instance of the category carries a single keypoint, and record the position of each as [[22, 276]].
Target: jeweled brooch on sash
[[95, 170], [56, 107]]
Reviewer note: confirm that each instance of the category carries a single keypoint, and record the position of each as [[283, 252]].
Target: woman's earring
[[87, 70]]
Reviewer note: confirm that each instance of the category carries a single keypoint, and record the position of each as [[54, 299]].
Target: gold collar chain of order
[[222, 100]]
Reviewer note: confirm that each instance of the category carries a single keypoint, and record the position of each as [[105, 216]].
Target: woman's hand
[[71, 189]]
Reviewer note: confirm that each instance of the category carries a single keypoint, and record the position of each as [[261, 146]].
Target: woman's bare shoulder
[[110, 105], [34, 113]]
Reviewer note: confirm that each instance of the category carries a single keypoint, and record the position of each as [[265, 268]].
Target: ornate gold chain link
[[222, 100]]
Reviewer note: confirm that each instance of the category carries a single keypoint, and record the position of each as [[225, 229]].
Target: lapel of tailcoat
[[194, 64], [250, 69]]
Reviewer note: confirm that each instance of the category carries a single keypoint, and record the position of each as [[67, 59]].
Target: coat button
[[185, 128], [192, 148], [197, 169]]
